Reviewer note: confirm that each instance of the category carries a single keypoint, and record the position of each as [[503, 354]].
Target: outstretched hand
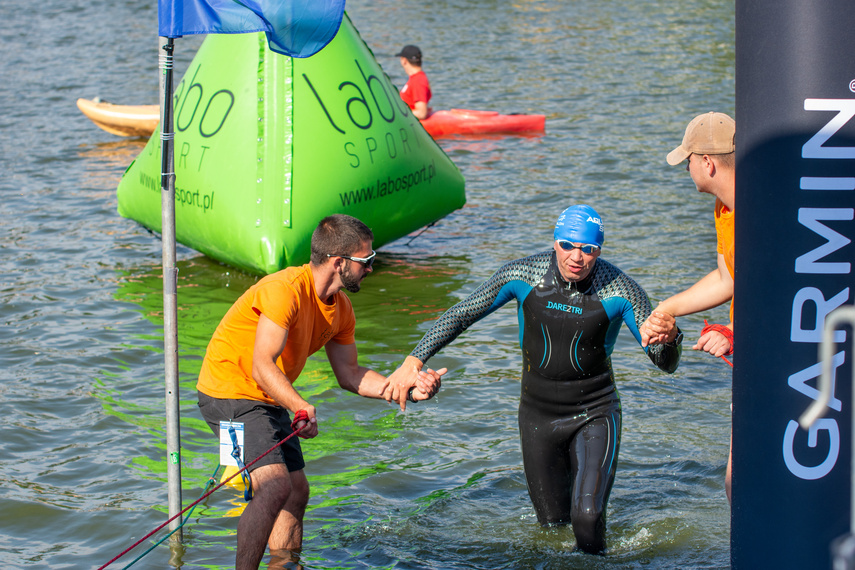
[[425, 384], [659, 328]]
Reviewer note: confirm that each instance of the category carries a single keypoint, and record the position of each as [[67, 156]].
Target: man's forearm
[[711, 291], [365, 382], [278, 386]]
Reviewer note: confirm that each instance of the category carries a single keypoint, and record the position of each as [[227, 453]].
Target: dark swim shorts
[[264, 426]]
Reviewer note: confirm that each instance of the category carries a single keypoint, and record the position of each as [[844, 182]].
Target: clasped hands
[[661, 327], [424, 383]]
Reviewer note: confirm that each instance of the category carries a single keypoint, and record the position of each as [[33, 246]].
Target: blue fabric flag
[[298, 28]]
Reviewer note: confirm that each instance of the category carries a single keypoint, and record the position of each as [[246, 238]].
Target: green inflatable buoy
[[267, 145]]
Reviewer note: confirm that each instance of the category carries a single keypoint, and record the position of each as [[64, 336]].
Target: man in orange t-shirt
[[257, 352], [708, 148]]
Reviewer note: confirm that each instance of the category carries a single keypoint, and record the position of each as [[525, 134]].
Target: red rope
[[721, 329], [300, 416]]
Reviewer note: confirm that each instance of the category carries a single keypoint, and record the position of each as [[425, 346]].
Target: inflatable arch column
[[795, 194], [266, 146]]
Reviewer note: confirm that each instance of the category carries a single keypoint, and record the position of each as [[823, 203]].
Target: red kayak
[[469, 122], [141, 120]]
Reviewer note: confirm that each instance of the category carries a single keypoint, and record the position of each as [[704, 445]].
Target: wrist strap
[[410, 395]]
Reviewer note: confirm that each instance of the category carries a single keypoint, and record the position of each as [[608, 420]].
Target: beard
[[351, 283]]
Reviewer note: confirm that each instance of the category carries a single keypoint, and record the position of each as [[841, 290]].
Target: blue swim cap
[[580, 224]]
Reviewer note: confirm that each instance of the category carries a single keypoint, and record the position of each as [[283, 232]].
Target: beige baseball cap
[[710, 133]]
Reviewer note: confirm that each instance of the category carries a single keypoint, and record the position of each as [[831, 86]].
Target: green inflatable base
[[266, 146]]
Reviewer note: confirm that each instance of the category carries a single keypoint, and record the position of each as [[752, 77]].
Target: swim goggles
[[586, 248], [366, 261]]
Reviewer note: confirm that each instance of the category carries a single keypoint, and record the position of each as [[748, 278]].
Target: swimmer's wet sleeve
[[624, 299], [513, 280], [667, 356]]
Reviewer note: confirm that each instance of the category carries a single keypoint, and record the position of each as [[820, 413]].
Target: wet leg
[[271, 487], [546, 460], [287, 533], [594, 461]]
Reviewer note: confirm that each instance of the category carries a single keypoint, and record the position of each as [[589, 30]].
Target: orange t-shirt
[[726, 246], [287, 298]]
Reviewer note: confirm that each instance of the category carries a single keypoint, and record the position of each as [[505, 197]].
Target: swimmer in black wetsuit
[[570, 306]]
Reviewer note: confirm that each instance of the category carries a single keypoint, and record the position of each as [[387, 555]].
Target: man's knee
[[299, 490]]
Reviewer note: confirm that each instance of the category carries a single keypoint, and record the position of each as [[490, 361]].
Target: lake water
[[441, 486]]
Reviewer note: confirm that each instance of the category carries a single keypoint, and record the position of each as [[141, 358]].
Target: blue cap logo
[[580, 224]]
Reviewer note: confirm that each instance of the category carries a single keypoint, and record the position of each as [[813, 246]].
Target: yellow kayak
[[122, 120]]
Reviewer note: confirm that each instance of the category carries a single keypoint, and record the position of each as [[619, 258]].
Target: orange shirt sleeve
[[277, 301]]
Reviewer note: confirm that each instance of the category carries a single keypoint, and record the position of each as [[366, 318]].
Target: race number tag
[[226, 444]]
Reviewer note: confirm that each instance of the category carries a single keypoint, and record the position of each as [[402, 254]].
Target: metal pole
[[843, 548], [170, 287]]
